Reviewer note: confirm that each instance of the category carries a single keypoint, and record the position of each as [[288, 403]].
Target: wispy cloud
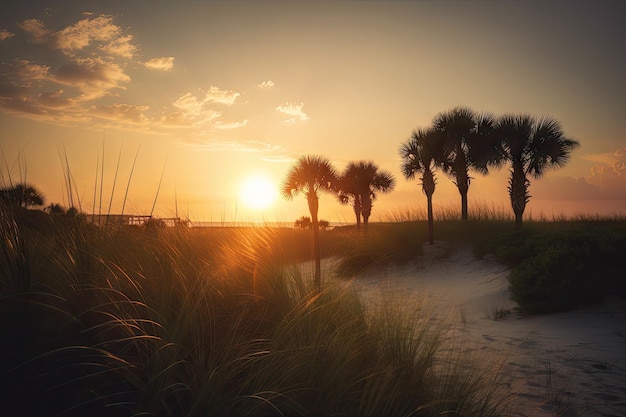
[[197, 109], [202, 111], [230, 125], [5, 34], [265, 84], [611, 176], [606, 158], [97, 31], [36, 29], [161, 64], [294, 111], [215, 95], [93, 77], [264, 149], [606, 181], [281, 158], [23, 72], [123, 113], [20, 91], [120, 46]]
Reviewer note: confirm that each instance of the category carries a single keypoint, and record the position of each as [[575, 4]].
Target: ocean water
[[253, 224]]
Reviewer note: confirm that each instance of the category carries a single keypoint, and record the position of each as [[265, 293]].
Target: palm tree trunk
[[518, 220], [316, 253], [313, 209], [431, 221], [462, 181], [464, 206], [518, 192], [428, 186], [357, 211], [366, 210]]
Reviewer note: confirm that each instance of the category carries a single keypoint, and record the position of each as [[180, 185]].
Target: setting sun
[[258, 192]]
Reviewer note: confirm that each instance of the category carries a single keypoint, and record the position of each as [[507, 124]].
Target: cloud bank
[[82, 74], [606, 181]]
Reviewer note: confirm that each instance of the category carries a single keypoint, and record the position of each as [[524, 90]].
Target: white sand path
[[572, 362]]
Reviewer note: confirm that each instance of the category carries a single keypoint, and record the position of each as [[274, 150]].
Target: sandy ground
[[570, 364]]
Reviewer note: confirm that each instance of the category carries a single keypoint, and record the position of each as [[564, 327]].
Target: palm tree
[[531, 146], [22, 195], [303, 222], [348, 191], [421, 154], [55, 209], [379, 181], [469, 144], [310, 175], [359, 184]]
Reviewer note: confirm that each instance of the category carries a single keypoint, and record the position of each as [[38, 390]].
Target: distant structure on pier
[[131, 220]]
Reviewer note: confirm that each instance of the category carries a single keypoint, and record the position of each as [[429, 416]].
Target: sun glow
[[258, 192]]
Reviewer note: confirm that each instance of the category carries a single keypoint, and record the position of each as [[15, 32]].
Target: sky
[[196, 108]]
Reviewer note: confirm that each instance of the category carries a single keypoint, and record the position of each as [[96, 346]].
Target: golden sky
[[212, 95]]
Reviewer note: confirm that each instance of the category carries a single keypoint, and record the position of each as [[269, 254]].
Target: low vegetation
[[560, 265], [172, 321], [383, 244], [556, 264], [184, 322]]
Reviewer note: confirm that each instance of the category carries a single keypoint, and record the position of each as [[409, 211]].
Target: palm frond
[[310, 174]]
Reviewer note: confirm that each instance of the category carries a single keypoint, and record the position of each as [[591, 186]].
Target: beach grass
[[220, 321], [381, 244], [177, 322]]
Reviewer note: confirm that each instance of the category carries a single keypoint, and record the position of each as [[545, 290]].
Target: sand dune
[[570, 364]]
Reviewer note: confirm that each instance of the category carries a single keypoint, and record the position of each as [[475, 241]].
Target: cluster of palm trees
[[461, 140], [457, 142], [358, 185]]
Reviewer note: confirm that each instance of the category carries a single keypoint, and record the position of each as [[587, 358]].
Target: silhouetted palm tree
[[22, 195], [348, 192], [531, 146], [303, 222], [359, 184], [55, 209], [469, 143], [310, 175], [421, 155]]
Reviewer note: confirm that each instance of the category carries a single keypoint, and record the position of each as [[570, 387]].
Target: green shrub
[[554, 280], [558, 266]]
